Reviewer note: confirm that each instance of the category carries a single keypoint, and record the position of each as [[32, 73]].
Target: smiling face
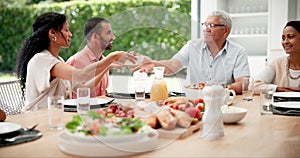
[[290, 40], [217, 34], [106, 36]]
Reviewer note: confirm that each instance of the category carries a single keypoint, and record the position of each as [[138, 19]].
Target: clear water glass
[[56, 112], [266, 95], [83, 100], [247, 88]]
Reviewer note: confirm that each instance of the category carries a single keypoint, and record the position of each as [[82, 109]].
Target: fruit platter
[[175, 117]]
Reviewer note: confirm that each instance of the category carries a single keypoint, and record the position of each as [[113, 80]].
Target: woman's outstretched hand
[[120, 57], [146, 65], [288, 89]]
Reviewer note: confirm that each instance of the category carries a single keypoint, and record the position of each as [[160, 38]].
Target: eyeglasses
[[210, 26]]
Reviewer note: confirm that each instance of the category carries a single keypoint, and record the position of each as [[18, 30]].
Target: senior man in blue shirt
[[212, 59]]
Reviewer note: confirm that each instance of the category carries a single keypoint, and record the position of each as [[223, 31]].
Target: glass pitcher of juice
[[159, 90]]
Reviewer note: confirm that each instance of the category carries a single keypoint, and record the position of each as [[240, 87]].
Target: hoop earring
[[54, 39]]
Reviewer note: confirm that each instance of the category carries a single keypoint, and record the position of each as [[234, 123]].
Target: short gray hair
[[225, 18]]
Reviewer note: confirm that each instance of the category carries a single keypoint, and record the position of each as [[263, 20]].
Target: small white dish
[[233, 114], [7, 127]]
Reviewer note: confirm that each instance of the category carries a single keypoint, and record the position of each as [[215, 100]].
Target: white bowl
[[193, 93], [233, 114]]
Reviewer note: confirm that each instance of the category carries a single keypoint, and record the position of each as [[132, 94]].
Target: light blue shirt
[[230, 63]]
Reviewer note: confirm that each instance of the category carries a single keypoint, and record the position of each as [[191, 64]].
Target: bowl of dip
[[232, 114]]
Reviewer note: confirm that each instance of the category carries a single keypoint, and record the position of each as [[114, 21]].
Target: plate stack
[[286, 103]]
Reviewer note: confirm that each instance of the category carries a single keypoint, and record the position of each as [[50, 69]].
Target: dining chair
[[11, 97]]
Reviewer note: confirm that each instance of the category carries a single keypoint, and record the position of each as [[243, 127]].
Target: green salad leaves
[[97, 124]]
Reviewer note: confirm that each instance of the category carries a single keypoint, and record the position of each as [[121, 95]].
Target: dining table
[[255, 135]]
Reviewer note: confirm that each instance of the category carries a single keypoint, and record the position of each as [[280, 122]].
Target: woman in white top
[[283, 74], [44, 73]]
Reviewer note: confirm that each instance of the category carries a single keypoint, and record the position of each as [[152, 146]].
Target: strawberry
[[193, 112]]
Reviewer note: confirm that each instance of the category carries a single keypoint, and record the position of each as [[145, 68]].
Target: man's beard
[[109, 47]]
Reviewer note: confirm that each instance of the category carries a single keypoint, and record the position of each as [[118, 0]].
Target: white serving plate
[[292, 105], [108, 139], [233, 114], [93, 101], [6, 127], [72, 146]]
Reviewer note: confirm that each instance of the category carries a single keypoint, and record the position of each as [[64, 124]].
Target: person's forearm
[[288, 89], [171, 67], [89, 78], [104, 64], [90, 71], [102, 67], [92, 74], [237, 87], [164, 63], [95, 81]]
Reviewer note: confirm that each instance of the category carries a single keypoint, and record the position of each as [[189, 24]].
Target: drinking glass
[[266, 94], [83, 100], [247, 88], [56, 112], [140, 85]]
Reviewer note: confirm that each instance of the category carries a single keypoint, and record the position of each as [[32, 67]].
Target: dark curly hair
[[38, 41]]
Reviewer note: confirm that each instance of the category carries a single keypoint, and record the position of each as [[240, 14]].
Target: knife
[[35, 135]]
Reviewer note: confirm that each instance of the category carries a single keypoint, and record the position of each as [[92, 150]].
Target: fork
[[30, 129], [22, 136], [295, 112]]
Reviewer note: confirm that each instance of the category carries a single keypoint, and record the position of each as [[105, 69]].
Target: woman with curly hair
[[44, 73], [283, 73]]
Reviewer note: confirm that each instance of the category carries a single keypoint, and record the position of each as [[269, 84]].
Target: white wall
[[256, 64], [195, 18]]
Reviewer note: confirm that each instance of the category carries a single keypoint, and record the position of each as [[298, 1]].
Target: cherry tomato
[[174, 106], [197, 101], [200, 100], [200, 106]]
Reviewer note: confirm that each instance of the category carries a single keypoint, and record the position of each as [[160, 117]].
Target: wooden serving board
[[179, 132]]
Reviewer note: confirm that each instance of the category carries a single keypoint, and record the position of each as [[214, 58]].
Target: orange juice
[[159, 89]]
